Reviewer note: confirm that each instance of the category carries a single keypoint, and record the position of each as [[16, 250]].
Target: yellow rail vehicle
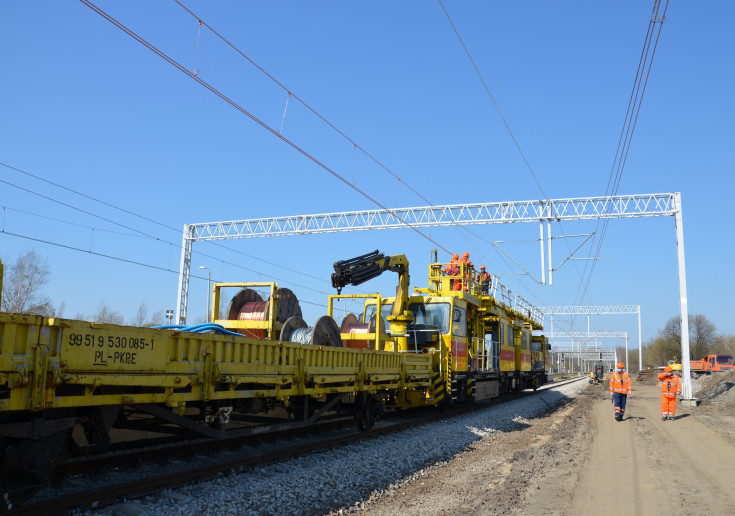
[[264, 370], [480, 337]]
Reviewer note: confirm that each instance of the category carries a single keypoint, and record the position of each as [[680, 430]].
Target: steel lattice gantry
[[583, 351], [597, 310], [545, 210]]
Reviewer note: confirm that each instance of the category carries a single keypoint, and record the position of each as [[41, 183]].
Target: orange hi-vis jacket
[[670, 385], [452, 268], [620, 382]]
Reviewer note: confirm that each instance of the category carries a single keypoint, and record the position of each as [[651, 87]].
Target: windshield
[[724, 359], [434, 314]]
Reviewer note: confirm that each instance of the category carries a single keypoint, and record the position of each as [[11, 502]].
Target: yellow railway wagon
[[507, 348], [523, 349], [54, 363]]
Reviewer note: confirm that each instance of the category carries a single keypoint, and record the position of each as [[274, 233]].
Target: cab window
[[459, 322], [511, 341], [434, 314]]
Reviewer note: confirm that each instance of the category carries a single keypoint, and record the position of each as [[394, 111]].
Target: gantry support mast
[[540, 211]]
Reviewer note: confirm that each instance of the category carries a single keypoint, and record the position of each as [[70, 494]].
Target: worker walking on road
[[619, 390], [670, 388]]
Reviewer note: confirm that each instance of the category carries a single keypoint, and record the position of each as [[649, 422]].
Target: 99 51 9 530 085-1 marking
[[114, 349]]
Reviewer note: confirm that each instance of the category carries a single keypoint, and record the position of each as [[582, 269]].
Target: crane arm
[[371, 265]]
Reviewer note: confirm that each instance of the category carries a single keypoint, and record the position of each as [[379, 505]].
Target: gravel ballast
[[347, 476]]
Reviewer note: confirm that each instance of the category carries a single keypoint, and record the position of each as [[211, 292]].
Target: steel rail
[[109, 495]]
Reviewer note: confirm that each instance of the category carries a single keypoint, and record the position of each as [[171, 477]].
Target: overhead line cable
[[302, 102], [154, 237], [72, 223], [127, 260], [264, 125], [178, 246], [505, 123], [497, 108], [626, 133], [291, 94]]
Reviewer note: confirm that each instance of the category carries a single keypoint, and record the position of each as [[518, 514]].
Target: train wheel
[[368, 410], [27, 465]]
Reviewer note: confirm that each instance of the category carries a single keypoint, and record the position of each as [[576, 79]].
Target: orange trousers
[[668, 406]]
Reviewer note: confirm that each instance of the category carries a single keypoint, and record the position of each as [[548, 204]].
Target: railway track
[[115, 493]]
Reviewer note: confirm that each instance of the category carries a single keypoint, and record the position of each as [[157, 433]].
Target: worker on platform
[[467, 266], [466, 259], [619, 390], [670, 388], [452, 269], [484, 280]]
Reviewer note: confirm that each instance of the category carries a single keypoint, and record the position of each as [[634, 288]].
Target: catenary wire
[[264, 125], [505, 123], [626, 134], [132, 262]]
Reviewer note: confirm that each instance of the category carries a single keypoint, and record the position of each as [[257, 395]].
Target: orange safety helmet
[[620, 365], [668, 369], [482, 266], [465, 255], [455, 256]]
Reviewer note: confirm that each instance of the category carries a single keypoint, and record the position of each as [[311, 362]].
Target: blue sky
[[89, 108]]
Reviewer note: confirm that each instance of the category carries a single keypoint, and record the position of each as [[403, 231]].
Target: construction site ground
[[578, 460]]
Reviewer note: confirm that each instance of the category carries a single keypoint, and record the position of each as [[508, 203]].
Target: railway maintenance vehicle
[[69, 386]]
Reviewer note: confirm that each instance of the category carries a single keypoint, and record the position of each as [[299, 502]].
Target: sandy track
[[578, 459]]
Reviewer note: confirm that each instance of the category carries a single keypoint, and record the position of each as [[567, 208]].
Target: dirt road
[[579, 460]]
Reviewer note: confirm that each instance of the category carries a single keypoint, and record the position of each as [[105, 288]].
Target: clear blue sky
[[89, 108]]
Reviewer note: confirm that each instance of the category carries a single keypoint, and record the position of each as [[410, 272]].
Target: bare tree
[[143, 319], [702, 334], [140, 316], [724, 344], [106, 315], [22, 283]]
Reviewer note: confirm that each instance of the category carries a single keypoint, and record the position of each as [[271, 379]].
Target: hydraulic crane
[[360, 269]]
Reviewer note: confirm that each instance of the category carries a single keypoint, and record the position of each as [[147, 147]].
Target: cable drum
[[324, 333], [248, 305], [301, 336], [350, 324]]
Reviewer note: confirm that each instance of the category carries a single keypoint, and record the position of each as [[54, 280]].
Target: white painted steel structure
[[583, 351], [545, 210], [597, 310]]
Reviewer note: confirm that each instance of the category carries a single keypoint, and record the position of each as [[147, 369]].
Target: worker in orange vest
[[484, 280], [619, 390], [468, 265], [452, 269], [670, 388]]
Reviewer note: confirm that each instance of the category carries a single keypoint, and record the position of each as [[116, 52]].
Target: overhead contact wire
[[255, 119], [626, 135], [302, 102]]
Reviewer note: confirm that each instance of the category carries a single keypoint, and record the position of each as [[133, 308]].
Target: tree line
[[666, 345], [22, 292]]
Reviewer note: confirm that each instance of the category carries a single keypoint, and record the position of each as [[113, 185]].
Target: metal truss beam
[[591, 310], [594, 334], [583, 208], [597, 310], [548, 210]]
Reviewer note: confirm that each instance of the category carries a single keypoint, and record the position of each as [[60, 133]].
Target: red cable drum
[[248, 305], [350, 324]]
